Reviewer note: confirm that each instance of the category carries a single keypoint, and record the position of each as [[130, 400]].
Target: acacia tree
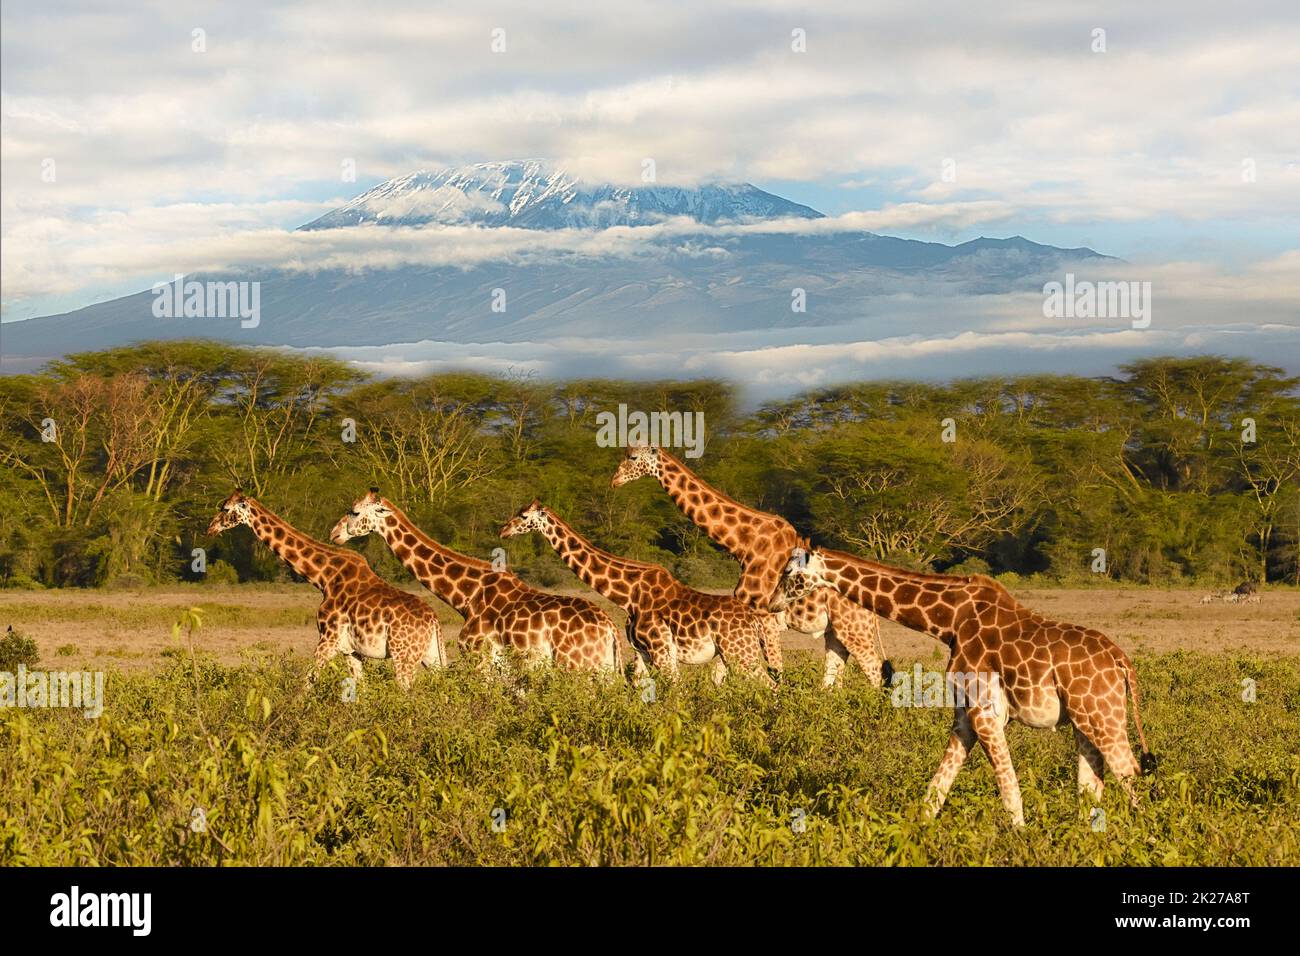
[[1189, 408], [1269, 468], [412, 437], [894, 490], [1152, 465], [277, 402], [85, 437]]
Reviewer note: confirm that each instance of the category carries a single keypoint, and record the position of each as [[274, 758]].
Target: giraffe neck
[[696, 499], [316, 562], [456, 578], [610, 576], [898, 595]]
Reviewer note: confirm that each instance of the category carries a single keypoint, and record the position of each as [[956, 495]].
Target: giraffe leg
[[662, 647], [740, 645], [864, 644], [990, 729], [719, 671], [1091, 766], [330, 626], [640, 665], [1116, 750], [836, 657], [857, 630], [1102, 721], [435, 651], [770, 639], [405, 667], [640, 656], [959, 745]]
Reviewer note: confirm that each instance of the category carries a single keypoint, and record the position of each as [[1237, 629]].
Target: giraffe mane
[[926, 576], [721, 494], [421, 535], [592, 546]]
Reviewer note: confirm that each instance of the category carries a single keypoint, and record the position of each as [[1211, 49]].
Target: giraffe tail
[[1148, 760]]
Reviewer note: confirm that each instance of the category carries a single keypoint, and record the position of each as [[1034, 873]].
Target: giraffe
[[670, 622], [1040, 672], [499, 608], [762, 543], [845, 630], [361, 615]]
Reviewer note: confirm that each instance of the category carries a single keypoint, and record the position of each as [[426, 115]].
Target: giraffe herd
[[1044, 673]]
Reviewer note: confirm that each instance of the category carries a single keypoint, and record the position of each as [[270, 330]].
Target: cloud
[[1186, 117], [226, 238], [770, 371]]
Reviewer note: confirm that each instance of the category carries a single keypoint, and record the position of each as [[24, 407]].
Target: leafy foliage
[[1154, 466], [200, 764], [16, 649]]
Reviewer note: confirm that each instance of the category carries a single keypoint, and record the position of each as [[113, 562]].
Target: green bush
[[971, 565], [15, 649], [249, 768], [19, 580], [221, 572], [706, 570]]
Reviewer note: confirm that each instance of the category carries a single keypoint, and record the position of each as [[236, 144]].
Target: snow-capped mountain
[[678, 284], [532, 194]]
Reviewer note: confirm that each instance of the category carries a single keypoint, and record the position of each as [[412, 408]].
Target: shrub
[[23, 581], [221, 572], [971, 565], [16, 648], [559, 768], [706, 570]]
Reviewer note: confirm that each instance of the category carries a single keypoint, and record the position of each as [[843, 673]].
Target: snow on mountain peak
[[535, 195]]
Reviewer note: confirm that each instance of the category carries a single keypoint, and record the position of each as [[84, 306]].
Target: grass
[[144, 615], [241, 765]]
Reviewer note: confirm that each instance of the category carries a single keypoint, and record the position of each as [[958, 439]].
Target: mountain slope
[[676, 290], [679, 284]]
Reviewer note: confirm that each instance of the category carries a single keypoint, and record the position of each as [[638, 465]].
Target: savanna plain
[[212, 750]]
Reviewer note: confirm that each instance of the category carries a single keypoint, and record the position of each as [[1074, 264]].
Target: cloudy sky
[[1172, 139]]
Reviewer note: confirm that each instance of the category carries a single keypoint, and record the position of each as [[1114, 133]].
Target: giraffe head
[[639, 461], [531, 517], [235, 510], [804, 572], [366, 517]]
